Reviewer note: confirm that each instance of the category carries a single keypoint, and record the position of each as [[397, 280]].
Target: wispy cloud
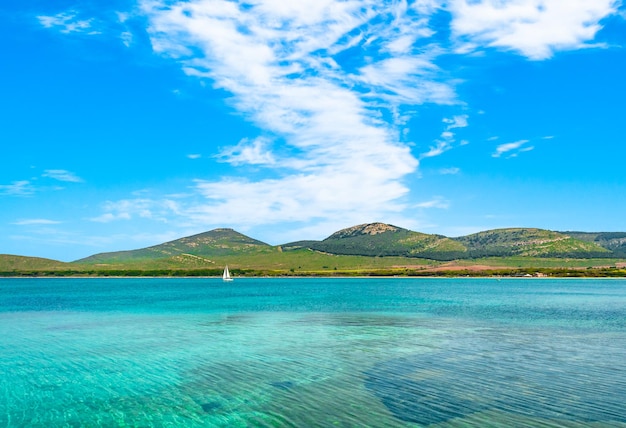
[[326, 81], [447, 139], [459, 121], [144, 208], [449, 171], [330, 84], [35, 221], [68, 22], [127, 38], [62, 175], [437, 202], [439, 148], [535, 28], [27, 187], [254, 152], [512, 149], [17, 188]]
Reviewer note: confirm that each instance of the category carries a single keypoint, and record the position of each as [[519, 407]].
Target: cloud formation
[[17, 188], [62, 175], [437, 202], [36, 221], [254, 152], [513, 149], [326, 80], [330, 85], [534, 28], [144, 208], [447, 139], [68, 22]]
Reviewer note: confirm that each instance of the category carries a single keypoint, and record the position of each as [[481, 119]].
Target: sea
[[312, 352]]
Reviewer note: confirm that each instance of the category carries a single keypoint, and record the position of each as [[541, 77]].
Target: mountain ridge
[[377, 240], [220, 242]]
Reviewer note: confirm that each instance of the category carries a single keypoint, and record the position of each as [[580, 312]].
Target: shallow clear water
[[312, 352]]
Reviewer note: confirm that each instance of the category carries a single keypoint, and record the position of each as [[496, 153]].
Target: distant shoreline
[[522, 273]]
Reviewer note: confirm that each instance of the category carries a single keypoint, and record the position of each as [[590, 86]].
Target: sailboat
[[226, 274]]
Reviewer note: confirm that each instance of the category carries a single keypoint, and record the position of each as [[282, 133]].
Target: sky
[[129, 123]]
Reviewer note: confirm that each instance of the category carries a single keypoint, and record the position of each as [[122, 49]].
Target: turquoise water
[[312, 352]]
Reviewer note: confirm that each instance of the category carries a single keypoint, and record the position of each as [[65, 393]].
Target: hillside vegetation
[[612, 241], [189, 251], [9, 263], [366, 249], [384, 240], [529, 242]]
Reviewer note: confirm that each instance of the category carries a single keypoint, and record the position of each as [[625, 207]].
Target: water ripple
[[547, 377]]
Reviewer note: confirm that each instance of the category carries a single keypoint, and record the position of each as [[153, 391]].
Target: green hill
[[196, 250], [612, 241], [11, 263], [384, 240], [375, 247], [529, 242]]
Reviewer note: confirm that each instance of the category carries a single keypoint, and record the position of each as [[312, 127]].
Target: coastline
[[525, 273]]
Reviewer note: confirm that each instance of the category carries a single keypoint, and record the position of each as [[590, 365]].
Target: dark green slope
[[383, 240], [529, 242], [378, 239], [215, 243]]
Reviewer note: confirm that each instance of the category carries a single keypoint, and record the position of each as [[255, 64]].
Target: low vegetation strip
[[460, 272]]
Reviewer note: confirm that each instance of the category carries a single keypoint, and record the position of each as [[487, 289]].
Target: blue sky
[[128, 123]]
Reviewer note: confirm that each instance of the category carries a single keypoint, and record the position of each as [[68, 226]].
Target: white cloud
[[36, 221], [447, 135], [459, 121], [297, 198], [437, 202], [407, 80], [447, 139], [127, 38], [449, 171], [512, 148], [194, 156], [109, 217], [248, 152], [62, 175], [147, 209], [17, 188], [534, 28], [335, 121], [440, 148], [68, 22]]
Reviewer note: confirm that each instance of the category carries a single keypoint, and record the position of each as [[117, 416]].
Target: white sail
[[226, 275]]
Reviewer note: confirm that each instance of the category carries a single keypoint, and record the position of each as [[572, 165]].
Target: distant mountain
[[529, 242], [9, 263], [380, 240], [215, 243], [210, 250], [612, 241]]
